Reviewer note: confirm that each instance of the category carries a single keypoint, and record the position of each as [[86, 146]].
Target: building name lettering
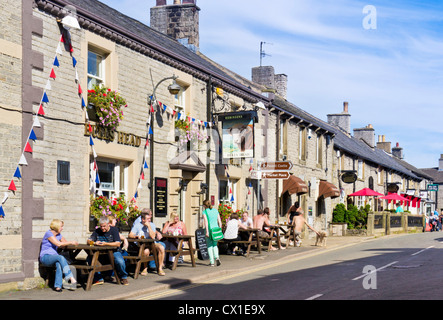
[[106, 134]]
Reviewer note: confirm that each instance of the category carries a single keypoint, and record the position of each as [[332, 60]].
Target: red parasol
[[366, 192]]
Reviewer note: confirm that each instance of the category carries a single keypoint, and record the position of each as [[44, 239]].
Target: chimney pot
[[160, 3], [345, 107]]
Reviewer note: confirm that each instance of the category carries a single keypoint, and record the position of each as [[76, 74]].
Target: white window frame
[[101, 70], [117, 189]]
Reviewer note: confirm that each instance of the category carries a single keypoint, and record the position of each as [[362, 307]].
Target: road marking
[[315, 297], [376, 270], [414, 254]]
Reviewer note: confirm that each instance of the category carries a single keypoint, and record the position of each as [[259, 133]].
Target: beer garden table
[[181, 250], [95, 266]]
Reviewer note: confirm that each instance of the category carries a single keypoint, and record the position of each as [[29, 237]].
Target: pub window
[[113, 178], [360, 169], [224, 195], [319, 150], [180, 101], [302, 144], [96, 68]]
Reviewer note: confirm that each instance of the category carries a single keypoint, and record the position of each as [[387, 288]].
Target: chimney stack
[[397, 151], [367, 134], [179, 20], [440, 163], [383, 145], [341, 120], [265, 76]]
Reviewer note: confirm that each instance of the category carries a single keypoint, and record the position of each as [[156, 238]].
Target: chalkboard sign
[[200, 239]]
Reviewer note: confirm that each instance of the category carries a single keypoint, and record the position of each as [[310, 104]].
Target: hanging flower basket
[[124, 211], [107, 105], [189, 135]]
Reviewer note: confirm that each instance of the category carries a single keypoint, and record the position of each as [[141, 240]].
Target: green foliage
[[354, 217], [107, 105]]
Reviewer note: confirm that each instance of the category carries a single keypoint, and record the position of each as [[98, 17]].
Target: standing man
[[106, 235], [299, 221], [147, 229]]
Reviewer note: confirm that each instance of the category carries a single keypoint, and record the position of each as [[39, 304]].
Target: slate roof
[[374, 155], [102, 13], [436, 175]]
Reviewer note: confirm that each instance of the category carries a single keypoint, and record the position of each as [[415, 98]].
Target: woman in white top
[[231, 232]]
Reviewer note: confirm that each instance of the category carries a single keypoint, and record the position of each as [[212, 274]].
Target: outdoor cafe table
[[253, 239], [289, 233], [274, 235], [95, 266], [136, 253], [181, 250]]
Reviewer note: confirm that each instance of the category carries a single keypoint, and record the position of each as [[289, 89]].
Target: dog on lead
[[321, 239]]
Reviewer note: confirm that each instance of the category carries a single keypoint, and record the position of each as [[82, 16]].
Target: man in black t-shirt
[[106, 235]]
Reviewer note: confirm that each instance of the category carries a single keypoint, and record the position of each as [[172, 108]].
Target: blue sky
[[391, 75]]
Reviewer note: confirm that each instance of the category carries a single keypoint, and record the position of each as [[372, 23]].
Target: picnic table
[[181, 250], [136, 254], [274, 235], [249, 237], [95, 266], [289, 233]]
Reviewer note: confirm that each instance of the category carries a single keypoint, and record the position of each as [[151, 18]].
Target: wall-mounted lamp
[[184, 185], [204, 188]]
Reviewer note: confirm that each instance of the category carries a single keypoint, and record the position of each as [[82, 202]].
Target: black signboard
[[200, 243], [161, 197]]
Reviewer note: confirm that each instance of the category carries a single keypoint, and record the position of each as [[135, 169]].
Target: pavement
[[185, 274]]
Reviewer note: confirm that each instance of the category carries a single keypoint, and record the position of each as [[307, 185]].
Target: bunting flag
[[12, 186], [17, 173], [32, 136], [41, 113], [28, 147], [52, 75]]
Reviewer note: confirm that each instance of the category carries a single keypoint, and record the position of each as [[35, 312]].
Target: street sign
[[275, 175], [276, 166], [432, 187]]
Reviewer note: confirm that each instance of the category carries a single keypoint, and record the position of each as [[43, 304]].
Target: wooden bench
[[252, 240], [273, 236], [136, 254]]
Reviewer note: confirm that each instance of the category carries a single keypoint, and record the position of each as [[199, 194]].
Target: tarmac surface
[[184, 274]]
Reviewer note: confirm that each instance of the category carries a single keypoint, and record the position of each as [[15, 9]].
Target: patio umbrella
[[365, 192], [395, 196]]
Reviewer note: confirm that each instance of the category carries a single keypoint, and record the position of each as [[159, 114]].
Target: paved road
[[401, 267]]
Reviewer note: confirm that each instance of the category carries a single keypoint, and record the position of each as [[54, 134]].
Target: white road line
[[376, 270], [414, 254], [315, 297]]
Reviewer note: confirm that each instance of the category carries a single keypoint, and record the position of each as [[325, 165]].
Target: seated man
[[106, 235], [147, 229]]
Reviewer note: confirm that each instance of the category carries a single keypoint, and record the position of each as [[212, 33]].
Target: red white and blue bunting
[[44, 102]]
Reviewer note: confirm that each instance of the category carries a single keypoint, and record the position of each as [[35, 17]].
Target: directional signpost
[[275, 175], [276, 166], [273, 170]]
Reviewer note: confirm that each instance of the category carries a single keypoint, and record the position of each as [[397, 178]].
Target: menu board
[[161, 197], [200, 244]]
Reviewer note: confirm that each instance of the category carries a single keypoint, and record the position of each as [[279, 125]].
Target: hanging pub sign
[[161, 197], [349, 177], [238, 134]]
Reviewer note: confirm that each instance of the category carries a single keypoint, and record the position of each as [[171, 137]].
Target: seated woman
[[49, 256], [231, 233], [174, 227]]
